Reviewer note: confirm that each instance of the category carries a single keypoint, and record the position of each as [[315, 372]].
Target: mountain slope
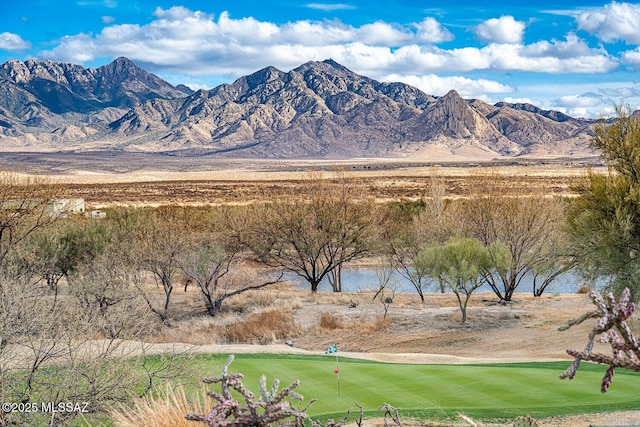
[[317, 110], [46, 95]]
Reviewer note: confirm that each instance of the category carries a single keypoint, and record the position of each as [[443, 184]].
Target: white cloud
[[108, 19], [512, 100], [183, 41], [13, 42], [501, 30], [613, 22], [438, 86], [383, 34], [431, 31], [77, 49], [179, 13], [328, 7], [570, 56], [572, 47], [621, 92], [631, 57], [580, 101], [308, 33]]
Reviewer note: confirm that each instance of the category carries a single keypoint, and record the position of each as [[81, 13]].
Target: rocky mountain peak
[[260, 77], [69, 88], [319, 109], [23, 72], [120, 69], [454, 114], [453, 97], [328, 67], [15, 71], [523, 106]]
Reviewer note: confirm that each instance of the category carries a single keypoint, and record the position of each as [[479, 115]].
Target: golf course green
[[497, 391]]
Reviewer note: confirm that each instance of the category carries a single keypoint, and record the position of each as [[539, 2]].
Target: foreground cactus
[[273, 408], [525, 422], [612, 324]]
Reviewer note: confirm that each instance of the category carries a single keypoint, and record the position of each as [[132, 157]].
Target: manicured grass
[[435, 391]]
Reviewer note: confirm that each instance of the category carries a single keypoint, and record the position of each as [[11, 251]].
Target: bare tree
[[315, 236], [159, 237], [70, 349], [433, 225], [216, 271], [25, 207], [530, 227], [386, 290]]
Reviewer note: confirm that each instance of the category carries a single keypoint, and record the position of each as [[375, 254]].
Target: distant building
[[65, 206], [96, 214], [58, 208]]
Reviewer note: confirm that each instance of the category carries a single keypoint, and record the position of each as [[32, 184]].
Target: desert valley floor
[[121, 178]]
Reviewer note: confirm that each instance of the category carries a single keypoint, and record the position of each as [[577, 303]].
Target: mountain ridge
[[319, 109]]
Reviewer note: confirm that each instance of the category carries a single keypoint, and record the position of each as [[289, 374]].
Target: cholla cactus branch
[[390, 412], [612, 325], [333, 423], [272, 409]]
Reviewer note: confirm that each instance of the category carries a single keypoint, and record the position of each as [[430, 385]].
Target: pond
[[356, 279]]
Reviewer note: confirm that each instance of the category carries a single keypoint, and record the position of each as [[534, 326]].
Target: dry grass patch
[[262, 328], [329, 321], [168, 409], [196, 330]]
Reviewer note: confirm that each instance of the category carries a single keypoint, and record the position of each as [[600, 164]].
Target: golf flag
[[332, 349]]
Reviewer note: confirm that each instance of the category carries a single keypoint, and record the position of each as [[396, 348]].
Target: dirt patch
[[524, 329]]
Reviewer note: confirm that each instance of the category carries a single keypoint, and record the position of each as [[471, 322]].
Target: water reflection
[[356, 279]]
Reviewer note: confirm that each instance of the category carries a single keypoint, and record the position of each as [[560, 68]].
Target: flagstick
[[338, 369]]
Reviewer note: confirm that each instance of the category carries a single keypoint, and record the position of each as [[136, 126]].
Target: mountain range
[[317, 110]]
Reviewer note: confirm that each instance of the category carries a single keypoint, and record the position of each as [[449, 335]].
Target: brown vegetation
[[119, 278], [263, 328], [235, 183]]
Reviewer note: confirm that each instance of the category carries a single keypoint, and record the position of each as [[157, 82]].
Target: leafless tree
[[70, 348], [314, 235], [216, 270], [158, 238], [25, 207], [531, 226], [433, 225], [387, 288]]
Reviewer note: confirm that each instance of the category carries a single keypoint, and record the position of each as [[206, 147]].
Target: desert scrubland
[[147, 179], [411, 329]]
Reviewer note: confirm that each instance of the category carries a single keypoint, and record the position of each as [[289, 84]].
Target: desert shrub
[[329, 321], [257, 300], [262, 328], [263, 299], [584, 290]]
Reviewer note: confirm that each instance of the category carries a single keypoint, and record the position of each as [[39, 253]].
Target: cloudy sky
[[578, 57]]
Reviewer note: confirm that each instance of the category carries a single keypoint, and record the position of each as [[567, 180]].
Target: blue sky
[[581, 58]]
